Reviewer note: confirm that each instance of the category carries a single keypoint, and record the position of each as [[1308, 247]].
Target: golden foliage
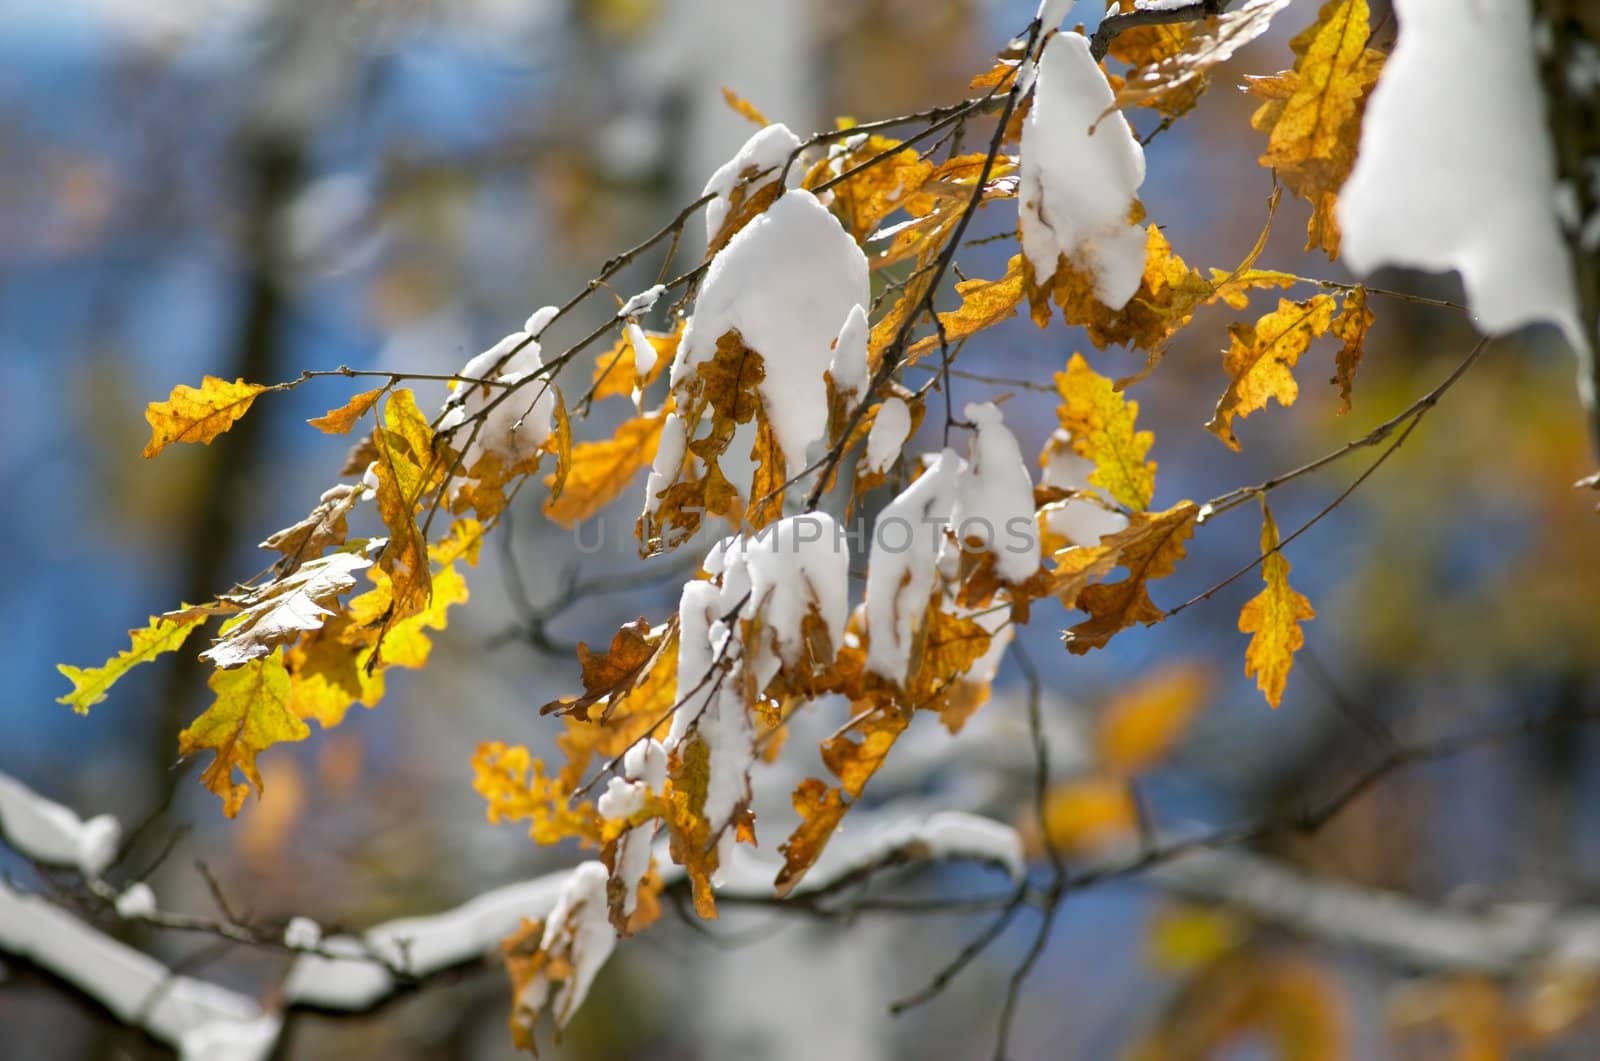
[[1291, 1006], [616, 372], [560, 443], [1140, 725], [515, 787], [1100, 422], [821, 809], [200, 414], [163, 634], [983, 303], [1274, 616], [339, 421], [1149, 549], [1260, 359], [1312, 114], [611, 672], [743, 107], [1168, 295], [601, 471], [407, 469], [1173, 62], [1083, 815], [250, 714]]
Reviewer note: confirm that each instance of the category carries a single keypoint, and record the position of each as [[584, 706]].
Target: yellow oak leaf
[[1260, 359], [1142, 723], [407, 469], [983, 303], [865, 199], [1274, 616], [339, 421], [463, 542], [617, 669], [616, 371], [249, 715], [328, 674], [1148, 549], [1100, 422], [602, 470], [515, 787], [1350, 327], [200, 414], [163, 634], [855, 752], [407, 643], [1312, 114]]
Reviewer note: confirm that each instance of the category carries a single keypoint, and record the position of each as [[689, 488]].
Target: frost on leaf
[[249, 715], [1273, 616], [1078, 188], [198, 414], [1457, 169], [1312, 114], [1261, 358], [162, 635]]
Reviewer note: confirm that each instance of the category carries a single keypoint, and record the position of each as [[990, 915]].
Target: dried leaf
[[1350, 327], [602, 470], [743, 107], [198, 414], [1174, 61], [1149, 549]]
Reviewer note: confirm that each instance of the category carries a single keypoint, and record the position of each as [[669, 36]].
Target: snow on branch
[[1504, 940]]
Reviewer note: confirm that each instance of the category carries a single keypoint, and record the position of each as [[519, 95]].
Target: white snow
[[518, 425], [1456, 168], [890, 428], [670, 450], [644, 352], [1077, 187], [1052, 12], [765, 154], [302, 933], [902, 568], [848, 369], [787, 283], [203, 1021], [643, 302], [420, 945], [539, 320], [646, 761], [621, 799], [1078, 520], [579, 930], [47, 832], [136, 901], [994, 497]]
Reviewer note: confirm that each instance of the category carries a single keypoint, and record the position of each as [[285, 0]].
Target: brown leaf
[[1149, 548], [1260, 359]]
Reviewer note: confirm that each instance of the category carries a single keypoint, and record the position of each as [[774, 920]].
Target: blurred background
[[252, 188]]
